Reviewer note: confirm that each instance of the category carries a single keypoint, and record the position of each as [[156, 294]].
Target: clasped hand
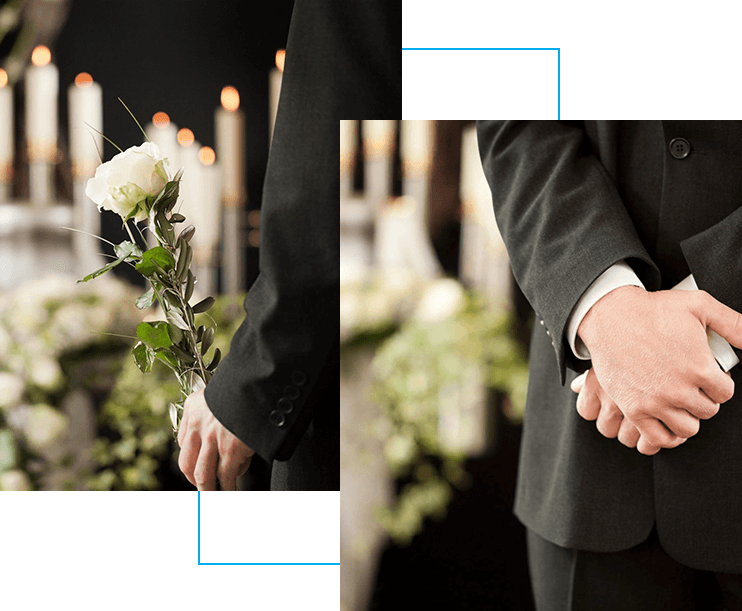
[[654, 377]]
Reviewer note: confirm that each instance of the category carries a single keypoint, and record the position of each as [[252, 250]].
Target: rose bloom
[[122, 184]]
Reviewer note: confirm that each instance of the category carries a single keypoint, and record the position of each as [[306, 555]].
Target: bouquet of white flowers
[[135, 185]]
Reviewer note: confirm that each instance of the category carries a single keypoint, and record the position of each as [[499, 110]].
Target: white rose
[[122, 184], [46, 372]]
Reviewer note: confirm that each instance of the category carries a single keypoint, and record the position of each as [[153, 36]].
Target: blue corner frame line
[[557, 49], [249, 563]]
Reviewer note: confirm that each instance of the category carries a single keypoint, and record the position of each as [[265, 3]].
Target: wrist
[[604, 313]]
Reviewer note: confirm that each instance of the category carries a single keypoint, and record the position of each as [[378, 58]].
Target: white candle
[[190, 183], [207, 234], [165, 135], [416, 140], [6, 136], [42, 89], [85, 125], [348, 147], [276, 76], [230, 147]]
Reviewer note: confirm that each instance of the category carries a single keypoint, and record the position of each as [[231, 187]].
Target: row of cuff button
[[285, 404]]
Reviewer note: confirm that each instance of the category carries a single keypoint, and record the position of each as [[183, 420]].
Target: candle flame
[[185, 137], [3, 78], [253, 218], [83, 80], [160, 119], [206, 155], [230, 98], [280, 59], [41, 56]]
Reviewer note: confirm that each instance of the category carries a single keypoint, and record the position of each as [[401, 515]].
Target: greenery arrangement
[[445, 333], [58, 343]]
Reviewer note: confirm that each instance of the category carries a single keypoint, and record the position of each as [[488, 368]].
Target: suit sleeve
[[561, 217], [343, 60]]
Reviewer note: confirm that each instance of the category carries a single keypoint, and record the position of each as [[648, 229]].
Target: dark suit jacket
[[571, 199], [277, 389]]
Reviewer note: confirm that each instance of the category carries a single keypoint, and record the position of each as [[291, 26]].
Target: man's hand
[[594, 404], [208, 451], [650, 354]]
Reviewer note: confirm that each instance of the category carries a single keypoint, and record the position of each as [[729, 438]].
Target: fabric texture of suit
[[571, 199], [277, 389]]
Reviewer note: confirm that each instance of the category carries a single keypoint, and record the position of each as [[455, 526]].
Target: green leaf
[[154, 334], [146, 300], [157, 256], [101, 271], [184, 259], [187, 233], [165, 228], [203, 305], [175, 334], [167, 357], [177, 218], [143, 356], [200, 333], [177, 320], [190, 284], [207, 340], [188, 359], [172, 298], [215, 360], [126, 249]]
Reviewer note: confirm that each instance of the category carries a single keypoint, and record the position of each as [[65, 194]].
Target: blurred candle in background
[[85, 126], [165, 135], [207, 221], [42, 91], [230, 150], [276, 77], [190, 183], [6, 137]]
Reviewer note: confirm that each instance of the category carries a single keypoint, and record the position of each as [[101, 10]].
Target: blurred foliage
[[451, 332]]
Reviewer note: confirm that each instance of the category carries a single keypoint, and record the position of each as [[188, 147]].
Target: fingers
[[718, 388], [227, 472], [609, 420], [722, 319], [654, 435], [190, 444], [628, 434], [588, 400], [680, 423], [204, 473]]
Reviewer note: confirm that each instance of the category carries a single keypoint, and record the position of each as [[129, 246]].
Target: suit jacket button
[[299, 378], [292, 392], [679, 148], [277, 418], [285, 405], [542, 322]]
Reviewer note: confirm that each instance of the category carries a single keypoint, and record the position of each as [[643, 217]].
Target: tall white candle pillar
[[348, 145], [378, 147], [42, 90], [416, 153], [6, 137], [230, 150], [85, 101]]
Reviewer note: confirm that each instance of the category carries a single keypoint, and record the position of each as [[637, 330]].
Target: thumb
[[720, 318], [578, 382]]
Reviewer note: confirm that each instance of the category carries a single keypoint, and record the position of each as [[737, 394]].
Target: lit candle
[[230, 149], [42, 89], [207, 221], [165, 135], [347, 156], [86, 143], [276, 76], [6, 137], [85, 109], [190, 183], [416, 141]]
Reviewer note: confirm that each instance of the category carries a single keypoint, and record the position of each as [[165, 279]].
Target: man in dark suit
[[601, 219], [276, 393]]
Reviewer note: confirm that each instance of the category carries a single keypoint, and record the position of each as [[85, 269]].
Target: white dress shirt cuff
[[618, 275]]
